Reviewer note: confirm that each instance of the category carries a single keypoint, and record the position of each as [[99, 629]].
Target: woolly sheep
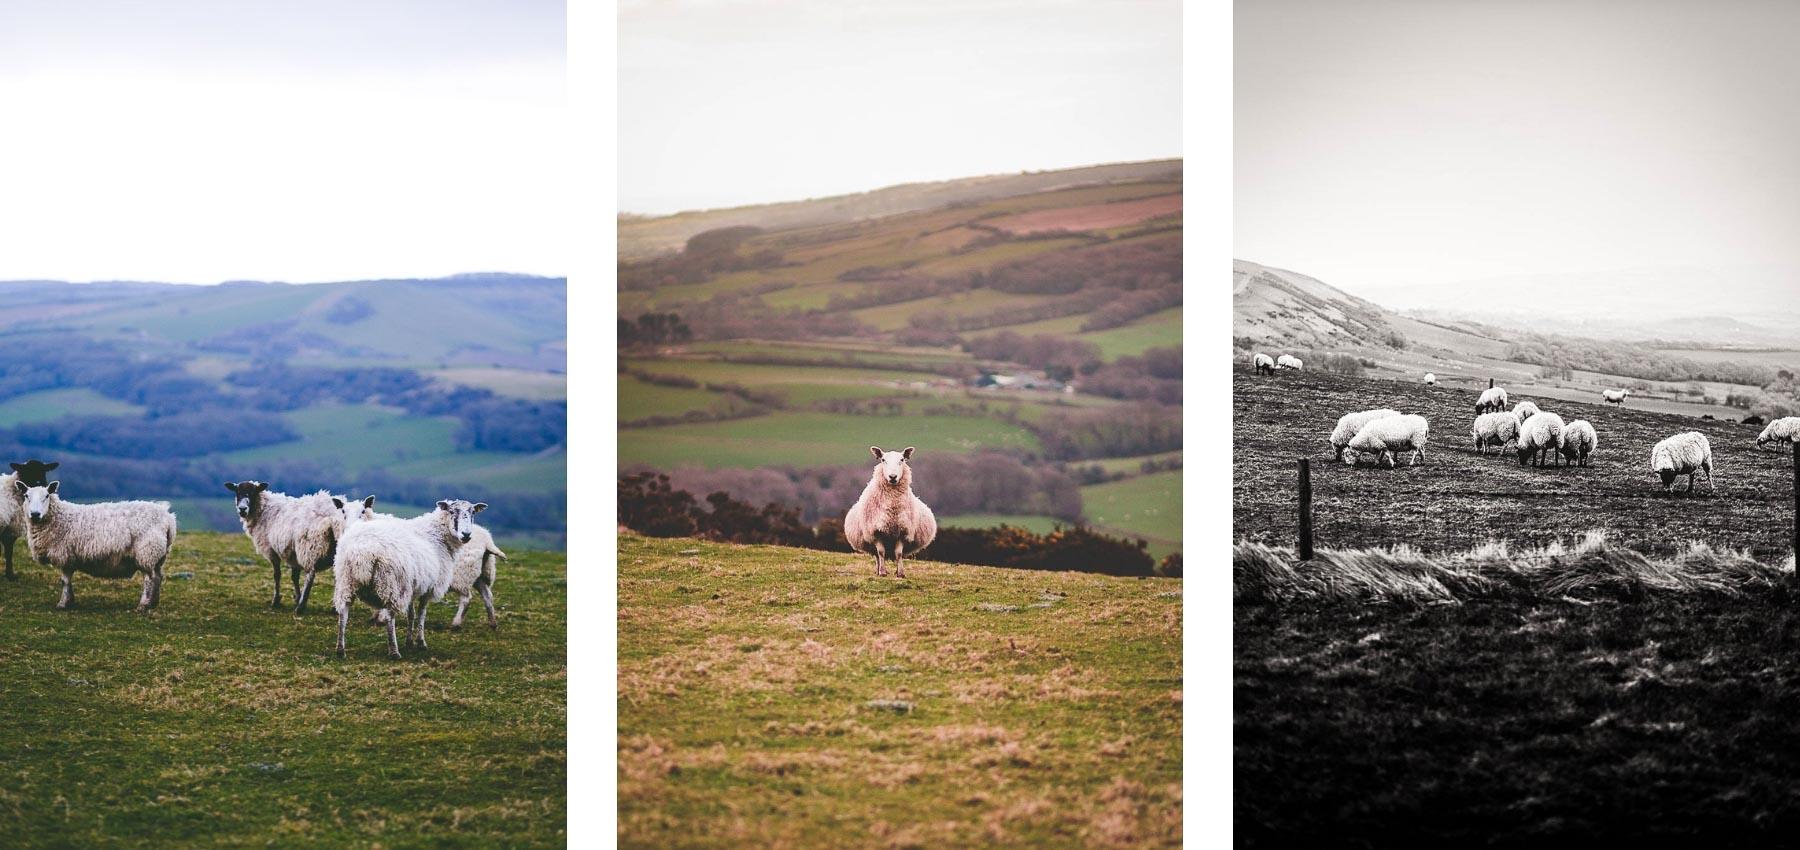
[[1783, 430], [1494, 429], [1615, 396], [396, 564], [12, 505], [1289, 361], [888, 521], [1350, 423], [1682, 454], [1539, 436], [1493, 399], [1524, 410], [1431, 379], [1579, 441], [1388, 436], [107, 540], [1264, 364], [301, 530]]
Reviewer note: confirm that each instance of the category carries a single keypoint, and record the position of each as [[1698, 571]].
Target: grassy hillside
[[214, 721], [784, 697]]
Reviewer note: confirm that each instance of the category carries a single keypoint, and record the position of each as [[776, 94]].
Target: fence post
[[1490, 383], [1306, 537], [1797, 511]]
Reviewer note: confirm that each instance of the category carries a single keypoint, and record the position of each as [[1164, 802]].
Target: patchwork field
[[796, 439], [1147, 506]]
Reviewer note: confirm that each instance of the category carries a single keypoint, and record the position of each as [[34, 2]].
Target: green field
[[216, 722], [1157, 330], [1033, 524], [1127, 465], [358, 436], [49, 405], [1147, 506], [975, 302], [640, 400], [798, 384], [773, 697], [810, 439]]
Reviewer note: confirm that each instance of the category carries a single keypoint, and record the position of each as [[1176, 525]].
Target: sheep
[[888, 521], [12, 505], [1682, 454], [1540, 435], [1350, 423], [475, 562], [395, 564], [1524, 410], [1579, 441], [1390, 435], [1494, 429], [302, 530], [1493, 400], [1264, 364], [1783, 430], [108, 539], [1615, 396], [1430, 379], [1289, 361]]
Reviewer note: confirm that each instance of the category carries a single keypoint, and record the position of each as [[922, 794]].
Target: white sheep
[[1492, 399], [1494, 429], [888, 521], [476, 561], [1579, 441], [1350, 423], [394, 564], [302, 530], [1783, 430], [1430, 379], [1682, 454], [1524, 410], [1539, 436], [107, 540], [1264, 364], [1388, 436], [12, 505], [1289, 361], [1615, 396]]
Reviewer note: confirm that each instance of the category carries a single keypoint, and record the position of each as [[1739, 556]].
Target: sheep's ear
[[261, 486], [479, 507], [18, 467], [443, 506], [229, 485], [52, 465], [20, 486], [876, 451], [368, 502], [907, 454], [338, 501], [53, 487]]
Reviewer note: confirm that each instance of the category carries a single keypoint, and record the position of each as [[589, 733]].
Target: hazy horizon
[[1402, 151]]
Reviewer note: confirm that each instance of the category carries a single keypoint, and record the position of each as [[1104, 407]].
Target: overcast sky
[[731, 102], [1385, 143], [204, 140]]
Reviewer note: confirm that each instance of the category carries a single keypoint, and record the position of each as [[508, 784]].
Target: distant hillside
[[641, 237], [1287, 308]]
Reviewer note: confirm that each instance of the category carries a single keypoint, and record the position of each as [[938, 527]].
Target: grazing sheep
[[1289, 361], [1539, 436], [1682, 454], [1615, 396], [396, 564], [1494, 429], [1579, 441], [888, 521], [1390, 435], [1430, 379], [1350, 423], [1264, 364], [1524, 410], [1783, 430], [108, 540], [302, 530], [1493, 399], [12, 505]]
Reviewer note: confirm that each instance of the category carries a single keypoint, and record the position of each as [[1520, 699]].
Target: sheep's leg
[[420, 625], [343, 618], [880, 565], [144, 598], [1690, 488], [899, 561], [294, 577], [303, 591], [487, 599], [462, 604], [387, 617], [275, 564], [156, 589], [68, 590]]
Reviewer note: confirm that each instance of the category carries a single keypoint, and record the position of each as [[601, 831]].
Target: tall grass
[[1592, 568]]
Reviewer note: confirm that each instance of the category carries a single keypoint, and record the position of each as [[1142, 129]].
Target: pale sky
[[731, 102], [1387, 143], [204, 140]]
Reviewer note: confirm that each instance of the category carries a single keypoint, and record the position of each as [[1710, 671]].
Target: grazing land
[[215, 721], [785, 697]]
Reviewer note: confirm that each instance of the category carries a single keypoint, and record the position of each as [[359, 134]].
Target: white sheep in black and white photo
[[1388, 437], [1494, 429], [106, 540], [1540, 437], [1615, 396], [1264, 364], [1350, 423], [1783, 430], [1430, 379], [1683, 454], [1289, 361], [1492, 399], [1524, 410], [1579, 441]]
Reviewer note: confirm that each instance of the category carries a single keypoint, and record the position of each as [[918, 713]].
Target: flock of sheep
[[389, 563]]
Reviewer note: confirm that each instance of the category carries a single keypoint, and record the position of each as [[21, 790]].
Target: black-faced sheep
[[1430, 379], [1783, 430], [1388, 436], [1492, 399], [1682, 454], [1350, 423], [1494, 429], [1540, 436], [12, 505], [1264, 364], [888, 521], [107, 540], [302, 530], [1579, 441]]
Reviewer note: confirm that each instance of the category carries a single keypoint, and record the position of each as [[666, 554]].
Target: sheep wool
[[1431, 379], [1388, 436], [12, 519], [1615, 396], [106, 540], [473, 574], [1783, 430], [1682, 454], [1579, 441], [1524, 410], [1350, 423], [888, 521], [1264, 364], [1539, 436], [394, 564], [1494, 429], [301, 530], [1289, 361]]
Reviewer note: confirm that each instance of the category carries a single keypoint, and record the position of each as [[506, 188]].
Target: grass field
[[1146, 506], [641, 400], [49, 405], [214, 721], [358, 435], [782, 697], [798, 385], [1157, 330], [809, 439]]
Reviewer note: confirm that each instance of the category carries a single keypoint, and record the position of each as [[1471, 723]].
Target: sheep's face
[[32, 471], [1668, 478], [248, 495], [37, 499], [462, 517], [892, 467], [352, 511]]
